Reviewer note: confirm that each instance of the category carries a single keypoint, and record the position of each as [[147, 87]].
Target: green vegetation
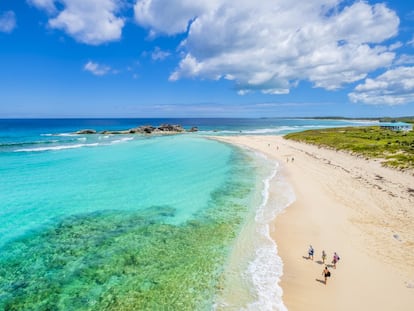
[[400, 119], [408, 119], [397, 148]]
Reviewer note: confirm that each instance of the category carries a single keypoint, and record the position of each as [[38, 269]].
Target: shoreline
[[254, 265], [348, 205]]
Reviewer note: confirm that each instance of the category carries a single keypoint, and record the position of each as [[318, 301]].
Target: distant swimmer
[[323, 256], [310, 252], [326, 273]]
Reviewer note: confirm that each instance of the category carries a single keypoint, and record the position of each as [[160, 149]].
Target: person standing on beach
[[323, 256], [335, 259], [310, 252], [326, 273]]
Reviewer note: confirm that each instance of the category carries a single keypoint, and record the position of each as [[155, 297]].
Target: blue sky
[[206, 58]]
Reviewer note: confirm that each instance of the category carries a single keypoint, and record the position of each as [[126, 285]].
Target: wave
[[74, 146], [28, 143], [273, 130], [366, 121], [60, 134], [266, 269], [282, 129], [276, 130], [252, 131], [117, 141], [61, 147]]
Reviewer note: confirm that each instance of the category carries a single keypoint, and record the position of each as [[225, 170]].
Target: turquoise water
[[39, 187], [141, 224], [109, 222]]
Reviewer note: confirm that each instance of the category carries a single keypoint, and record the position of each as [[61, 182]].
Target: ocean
[[130, 222]]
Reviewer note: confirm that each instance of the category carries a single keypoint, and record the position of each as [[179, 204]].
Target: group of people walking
[[326, 273]]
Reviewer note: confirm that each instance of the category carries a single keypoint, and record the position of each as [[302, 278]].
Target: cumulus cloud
[[97, 69], [394, 87], [159, 55], [48, 5], [272, 45], [88, 21], [170, 17], [7, 21]]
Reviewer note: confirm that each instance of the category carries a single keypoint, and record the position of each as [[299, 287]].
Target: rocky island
[[143, 129]]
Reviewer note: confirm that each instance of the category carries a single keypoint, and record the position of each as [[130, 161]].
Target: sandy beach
[[344, 204]]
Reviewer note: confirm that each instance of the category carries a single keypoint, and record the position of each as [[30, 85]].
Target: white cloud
[[170, 17], [97, 69], [48, 5], [394, 87], [395, 46], [158, 54], [271, 45], [405, 59], [88, 21], [411, 42], [7, 21]]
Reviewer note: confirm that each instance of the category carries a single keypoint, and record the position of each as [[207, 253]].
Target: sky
[[206, 58]]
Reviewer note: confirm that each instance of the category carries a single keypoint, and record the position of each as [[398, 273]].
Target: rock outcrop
[[144, 129], [86, 131]]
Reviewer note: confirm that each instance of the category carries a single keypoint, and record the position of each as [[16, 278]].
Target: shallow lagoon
[[136, 255]]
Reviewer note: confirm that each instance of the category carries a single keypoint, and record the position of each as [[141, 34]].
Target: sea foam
[[61, 147], [263, 131], [266, 269], [124, 139], [74, 146]]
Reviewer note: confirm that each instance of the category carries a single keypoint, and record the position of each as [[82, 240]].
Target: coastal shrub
[[396, 148]]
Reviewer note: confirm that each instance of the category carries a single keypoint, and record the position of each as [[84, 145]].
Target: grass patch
[[397, 148]]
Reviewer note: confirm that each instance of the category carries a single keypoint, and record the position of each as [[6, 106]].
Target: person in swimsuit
[[335, 259], [323, 256], [310, 252], [326, 273]]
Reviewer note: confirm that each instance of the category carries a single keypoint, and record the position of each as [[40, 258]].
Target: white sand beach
[[349, 205]]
